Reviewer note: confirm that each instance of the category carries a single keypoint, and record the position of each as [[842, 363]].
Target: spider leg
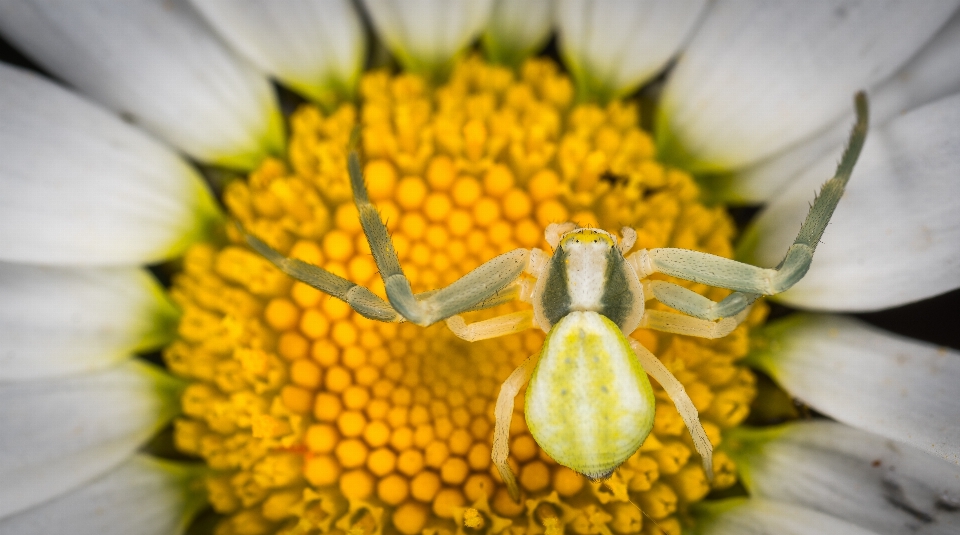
[[513, 322], [694, 304], [672, 322], [504, 295], [691, 418], [503, 413], [725, 273], [365, 302], [474, 287]]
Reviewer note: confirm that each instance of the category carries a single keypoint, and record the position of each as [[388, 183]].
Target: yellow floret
[[410, 518], [393, 489], [321, 438], [356, 484], [381, 180], [322, 470], [425, 486], [314, 418]]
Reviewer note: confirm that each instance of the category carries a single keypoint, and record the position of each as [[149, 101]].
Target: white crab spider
[[589, 404]]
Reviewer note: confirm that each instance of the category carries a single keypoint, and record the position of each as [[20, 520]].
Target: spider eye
[[586, 236]]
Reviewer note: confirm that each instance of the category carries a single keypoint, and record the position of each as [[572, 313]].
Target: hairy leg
[[725, 273], [362, 300], [474, 287]]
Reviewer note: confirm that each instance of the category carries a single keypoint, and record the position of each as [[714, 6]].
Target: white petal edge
[[931, 75], [158, 63], [764, 517], [517, 28], [79, 186], [142, 496], [60, 433], [866, 479], [60, 321], [895, 233], [614, 46], [426, 35], [316, 48], [895, 387], [759, 76]]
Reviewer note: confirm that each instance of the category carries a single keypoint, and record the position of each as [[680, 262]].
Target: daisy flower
[[292, 414]]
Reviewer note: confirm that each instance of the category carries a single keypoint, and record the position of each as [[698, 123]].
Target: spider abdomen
[[589, 403]]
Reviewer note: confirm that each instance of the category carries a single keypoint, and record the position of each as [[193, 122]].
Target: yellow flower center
[[317, 420]]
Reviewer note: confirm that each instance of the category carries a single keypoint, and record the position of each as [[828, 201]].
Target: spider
[[589, 404]]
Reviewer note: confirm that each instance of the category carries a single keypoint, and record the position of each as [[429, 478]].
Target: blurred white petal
[[614, 46], [426, 35], [933, 74], [142, 496], [894, 236], [517, 28], [874, 482], [79, 186], [61, 321], [759, 76], [158, 63], [895, 387], [755, 516], [60, 433], [316, 48]]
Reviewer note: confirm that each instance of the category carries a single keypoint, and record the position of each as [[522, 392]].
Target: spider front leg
[[428, 308], [483, 287], [750, 280], [365, 302]]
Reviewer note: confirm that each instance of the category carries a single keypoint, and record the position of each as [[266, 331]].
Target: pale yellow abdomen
[[589, 403]]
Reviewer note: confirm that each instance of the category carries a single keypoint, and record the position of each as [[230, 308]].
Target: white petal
[[759, 76], [60, 433], [79, 186], [517, 28], [317, 48], [142, 496], [60, 321], [765, 517], [426, 35], [158, 63], [891, 386], [868, 480], [894, 236], [931, 75], [614, 46]]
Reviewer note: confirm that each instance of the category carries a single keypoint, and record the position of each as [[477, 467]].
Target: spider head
[[593, 238], [561, 234]]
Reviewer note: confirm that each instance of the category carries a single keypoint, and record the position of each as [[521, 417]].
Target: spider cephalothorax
[[589, 403]]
